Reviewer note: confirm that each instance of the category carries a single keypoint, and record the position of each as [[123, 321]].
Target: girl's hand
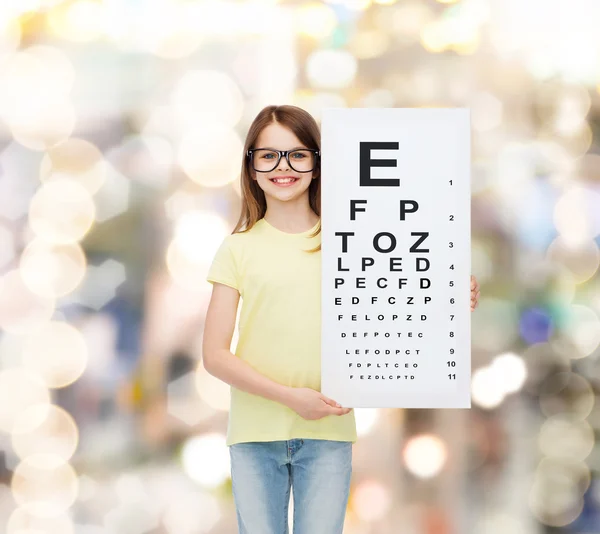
[[474, 293], [311, 404]]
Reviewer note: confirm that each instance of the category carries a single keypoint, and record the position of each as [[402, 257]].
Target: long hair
[[305, 128]]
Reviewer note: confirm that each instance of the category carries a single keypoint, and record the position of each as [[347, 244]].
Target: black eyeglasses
[[299, 159]]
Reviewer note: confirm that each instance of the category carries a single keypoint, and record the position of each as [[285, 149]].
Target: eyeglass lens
[[300, 160]]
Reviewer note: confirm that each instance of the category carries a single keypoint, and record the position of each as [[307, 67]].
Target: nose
[[283, 163]]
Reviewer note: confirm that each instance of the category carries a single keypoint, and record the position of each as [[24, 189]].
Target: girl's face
[[278, 137]]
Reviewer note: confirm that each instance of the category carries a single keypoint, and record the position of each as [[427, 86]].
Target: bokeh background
[[121, 131]]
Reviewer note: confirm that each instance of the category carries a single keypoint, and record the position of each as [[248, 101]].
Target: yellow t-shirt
[[279, 330]]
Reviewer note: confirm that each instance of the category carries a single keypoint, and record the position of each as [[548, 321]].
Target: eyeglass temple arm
[[318, 152]]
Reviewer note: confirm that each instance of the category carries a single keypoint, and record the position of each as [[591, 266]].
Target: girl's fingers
[[329, 401]]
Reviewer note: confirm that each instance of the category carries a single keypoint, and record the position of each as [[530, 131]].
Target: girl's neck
[[290, 221]]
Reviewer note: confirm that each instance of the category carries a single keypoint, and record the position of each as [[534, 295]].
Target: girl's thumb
[[331, 402]]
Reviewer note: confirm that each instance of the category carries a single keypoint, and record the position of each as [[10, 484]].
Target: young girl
[[282, 431]]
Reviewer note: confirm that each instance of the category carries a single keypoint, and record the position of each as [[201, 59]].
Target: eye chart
[[396, 257]]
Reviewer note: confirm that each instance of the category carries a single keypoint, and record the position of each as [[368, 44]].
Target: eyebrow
[[271, 148]]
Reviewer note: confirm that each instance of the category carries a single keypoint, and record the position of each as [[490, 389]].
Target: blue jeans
[[262, 474]]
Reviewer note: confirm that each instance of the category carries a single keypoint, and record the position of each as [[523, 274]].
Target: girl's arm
[[218, 359], [221, 363]]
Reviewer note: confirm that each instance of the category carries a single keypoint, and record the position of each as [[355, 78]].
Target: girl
[[282, 431]]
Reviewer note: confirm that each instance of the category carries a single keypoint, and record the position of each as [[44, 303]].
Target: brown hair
[[305, 128]]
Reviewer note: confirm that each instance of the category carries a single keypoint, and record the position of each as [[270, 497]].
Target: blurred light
[[45, 429], [481, 260], [495, 324], [510, 370], [100, 333], [47, 491], [554, 280], [21, 310], [540, 358], [562, 437], [577, 143], [496, 522], [215, 18], [371, 500], [22, 521], [582, 327], [566, 394], [61, 211], [20, 389], [130, 488], [38, 65], [486, 112], [100, 285], [214, 392], [514, 173], [366, 419], [7, 246], [196, 223], [57, 352], [588, 168], [562, 44], [37, 119], [425, 83], [580, 256], [112, 199], [76, 159], [458, 29], [52, 270], [11, 348], [315, 19], [79, 20], [556, 162], [425, 455], [184, 270], [145, 159], [207, 99], [555, 496], [184, 403], [10, 36], [211, 158], [19, 180], [535, 325], [133, 518], [355, 5], [572, 107], [191, 512], [314, 103], [205, 459], [576, 214], [369, 44], [407, 20], [378, 98], [169, 29], [11, 10], [486, 389], [158, 121], [331, 69], [180, 202]]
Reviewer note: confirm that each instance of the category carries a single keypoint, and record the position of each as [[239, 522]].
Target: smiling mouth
[[284, 181]]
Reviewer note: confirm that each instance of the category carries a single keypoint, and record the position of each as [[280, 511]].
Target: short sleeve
[[224, 268]]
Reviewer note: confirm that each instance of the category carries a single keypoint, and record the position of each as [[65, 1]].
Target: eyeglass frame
[[285, 153]]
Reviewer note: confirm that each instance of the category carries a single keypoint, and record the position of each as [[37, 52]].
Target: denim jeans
[[319, 472]]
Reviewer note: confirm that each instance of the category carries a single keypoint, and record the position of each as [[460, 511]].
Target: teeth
[[284, 181]]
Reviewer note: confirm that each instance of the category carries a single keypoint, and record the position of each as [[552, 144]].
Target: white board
[[397, 182]]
